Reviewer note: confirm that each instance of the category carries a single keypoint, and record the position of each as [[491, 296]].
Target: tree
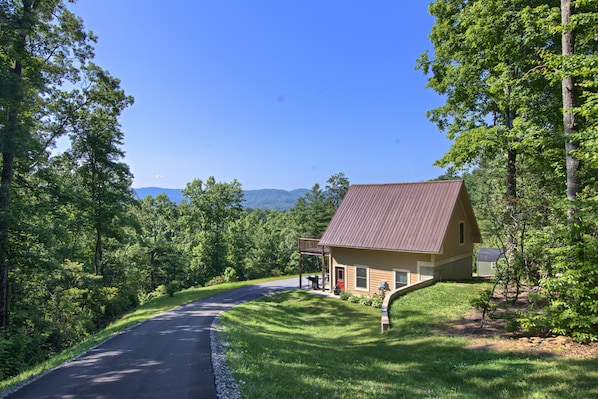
[[336, 189], [576, 68], [41, 46], [570, 102], [210, 209], [156, 252], [96, 138], [570, 289], [499, 107]]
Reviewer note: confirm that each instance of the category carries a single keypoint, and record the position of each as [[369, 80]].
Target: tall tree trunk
[[5, 187], [569, 115], [98, 254], [511, 207], [9, 143]]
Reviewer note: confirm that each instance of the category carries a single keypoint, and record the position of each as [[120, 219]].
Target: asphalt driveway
[[168, 356]]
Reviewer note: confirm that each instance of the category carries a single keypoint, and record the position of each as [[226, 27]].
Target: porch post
[[300, 266], [323, 270]]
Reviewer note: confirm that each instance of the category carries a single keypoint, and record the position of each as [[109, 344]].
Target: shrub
[[365, 300], [345, 295], [230, 275], [482, 303], [173, 287], [377, 301], [19, 350], [276, 272], [354, 299], [215, 281]]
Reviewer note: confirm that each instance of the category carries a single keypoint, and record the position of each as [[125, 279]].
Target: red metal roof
[[409, 217]]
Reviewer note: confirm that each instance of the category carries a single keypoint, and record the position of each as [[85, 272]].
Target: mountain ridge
[[266, 198]]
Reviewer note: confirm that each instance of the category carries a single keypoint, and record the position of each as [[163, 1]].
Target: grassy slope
[[297, 345]]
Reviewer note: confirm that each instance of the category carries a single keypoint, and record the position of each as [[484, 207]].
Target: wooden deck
[[310, 247]]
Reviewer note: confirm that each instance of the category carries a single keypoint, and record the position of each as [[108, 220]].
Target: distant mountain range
[[279, 200]]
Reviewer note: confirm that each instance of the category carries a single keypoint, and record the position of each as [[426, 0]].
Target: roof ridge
[[407, 183]]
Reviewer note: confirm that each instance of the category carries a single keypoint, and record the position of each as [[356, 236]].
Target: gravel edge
[[226, 386]]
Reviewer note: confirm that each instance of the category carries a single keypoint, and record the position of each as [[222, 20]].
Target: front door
[[339, 272]]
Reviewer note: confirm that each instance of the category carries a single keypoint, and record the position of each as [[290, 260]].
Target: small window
[[361, 277], [426, 273], [401, 278], [461, 233]]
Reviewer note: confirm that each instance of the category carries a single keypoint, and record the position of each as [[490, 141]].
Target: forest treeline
[[77, 249], [519, 80]]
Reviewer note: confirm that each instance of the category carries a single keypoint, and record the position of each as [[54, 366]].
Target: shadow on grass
[[296, 345]]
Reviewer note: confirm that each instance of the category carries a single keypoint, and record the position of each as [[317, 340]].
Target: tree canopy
[[518, 78]]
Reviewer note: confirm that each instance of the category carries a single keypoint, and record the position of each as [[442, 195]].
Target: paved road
[[167, 356]]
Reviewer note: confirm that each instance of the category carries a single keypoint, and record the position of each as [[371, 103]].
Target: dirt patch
[[495, 334]]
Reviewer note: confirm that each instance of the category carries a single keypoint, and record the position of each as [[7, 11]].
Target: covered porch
[[310, 247]]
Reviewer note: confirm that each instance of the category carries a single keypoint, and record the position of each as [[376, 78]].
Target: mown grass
[[141, 313], [298, 345]]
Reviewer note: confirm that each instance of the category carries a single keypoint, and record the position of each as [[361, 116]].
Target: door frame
[[342, 268]]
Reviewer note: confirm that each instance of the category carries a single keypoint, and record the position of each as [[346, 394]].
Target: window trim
[[461, 232], [367, 278], [394, 277], [421, 264]]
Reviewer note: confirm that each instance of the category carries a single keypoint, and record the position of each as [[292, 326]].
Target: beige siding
[[381, 266], [455, 261], [460, 269]]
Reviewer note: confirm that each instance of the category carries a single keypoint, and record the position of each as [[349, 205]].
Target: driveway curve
[[167, 356]]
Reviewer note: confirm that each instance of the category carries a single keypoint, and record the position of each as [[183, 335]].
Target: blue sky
[[274, 93]]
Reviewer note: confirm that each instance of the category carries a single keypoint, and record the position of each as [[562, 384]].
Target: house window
[[401, 278], [426, 273], [361, 277], [461, 233]]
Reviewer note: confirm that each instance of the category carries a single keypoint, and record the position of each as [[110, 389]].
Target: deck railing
[[308, 244]]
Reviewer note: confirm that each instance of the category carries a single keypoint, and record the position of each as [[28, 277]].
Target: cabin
[[399, 235], [487, 259]]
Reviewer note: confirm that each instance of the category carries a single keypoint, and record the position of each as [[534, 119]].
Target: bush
[[230, 275], [173, 287], [374, 300], [482, 303], [377, 301], [365, 300], [19, 350], [276, 272], [215, 281], [158, 292]]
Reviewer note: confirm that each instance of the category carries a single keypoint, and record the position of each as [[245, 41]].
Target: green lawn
[[298, 345]]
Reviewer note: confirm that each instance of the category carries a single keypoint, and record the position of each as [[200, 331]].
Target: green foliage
[[374, 300], [500, 68], [482, 303], [22, 348], [365, 300], [173, 287], [345, 295], [218, 280], [377, 301], [230, 275]]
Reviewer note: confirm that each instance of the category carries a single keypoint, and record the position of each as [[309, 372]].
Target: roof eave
[[430, 252]]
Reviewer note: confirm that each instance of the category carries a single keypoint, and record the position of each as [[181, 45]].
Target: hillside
[[280, 200]]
